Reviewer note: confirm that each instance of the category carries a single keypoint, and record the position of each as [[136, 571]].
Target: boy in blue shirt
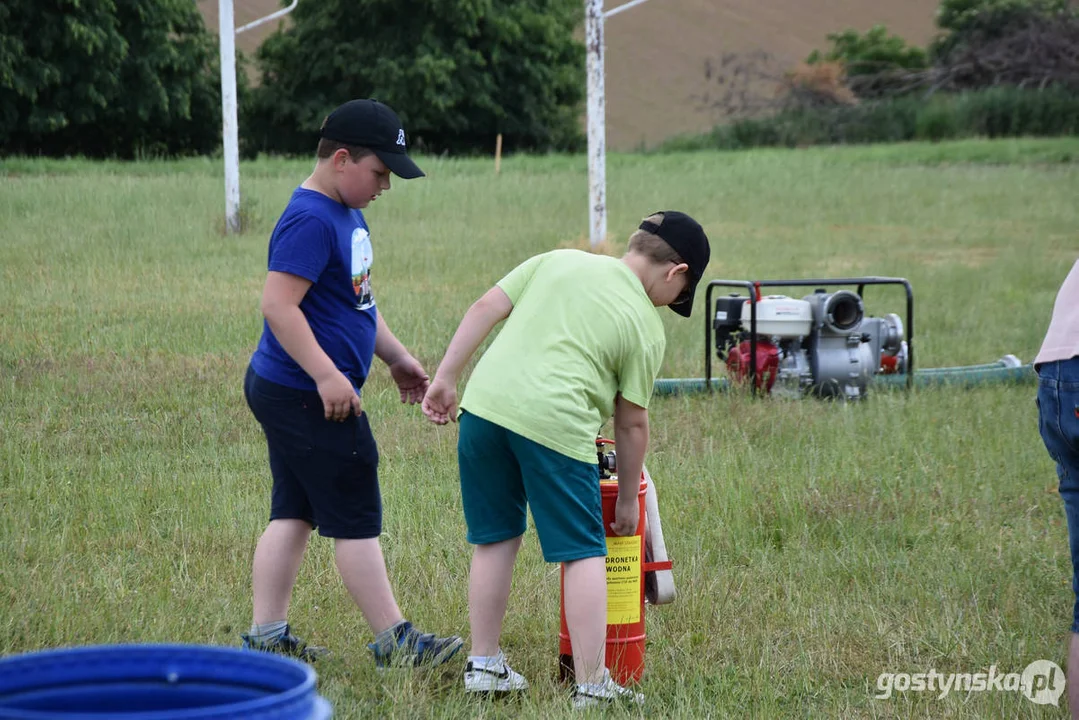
[[322, 328]]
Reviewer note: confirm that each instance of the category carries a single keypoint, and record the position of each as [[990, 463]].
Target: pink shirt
[[1062, 339]]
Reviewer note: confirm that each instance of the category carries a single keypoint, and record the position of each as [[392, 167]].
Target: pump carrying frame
[[753, 292]]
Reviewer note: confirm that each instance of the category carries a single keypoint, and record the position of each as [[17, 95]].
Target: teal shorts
[[503, 474]]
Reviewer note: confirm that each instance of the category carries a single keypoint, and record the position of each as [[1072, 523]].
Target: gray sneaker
[[496, 677], [286, 644], [411, 648], [605, 692]]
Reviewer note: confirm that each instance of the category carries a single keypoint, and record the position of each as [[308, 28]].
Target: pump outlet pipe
[[1007, 370]]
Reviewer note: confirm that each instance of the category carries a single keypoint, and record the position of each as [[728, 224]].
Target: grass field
[[815, 545]]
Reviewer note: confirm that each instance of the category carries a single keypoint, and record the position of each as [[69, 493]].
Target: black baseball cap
[[687, 237], [373, 125]]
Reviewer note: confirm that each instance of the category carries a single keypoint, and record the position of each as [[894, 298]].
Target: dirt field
[[656, 52]]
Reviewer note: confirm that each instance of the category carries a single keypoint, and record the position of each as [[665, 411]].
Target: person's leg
[[1058, 422], [493, 500], [363, 570], [496, 514], [1072, 681], [341, 480], [564, 495], [277, 562], [586, 616], [397, 642], [488, 593], [280, 549]]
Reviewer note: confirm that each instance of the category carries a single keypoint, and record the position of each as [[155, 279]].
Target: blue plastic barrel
[[157, 682]]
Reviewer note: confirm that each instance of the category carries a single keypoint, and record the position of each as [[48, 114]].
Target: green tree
[[872, 53], [967, 22], [59, 64], [107, 78], [458, 72]]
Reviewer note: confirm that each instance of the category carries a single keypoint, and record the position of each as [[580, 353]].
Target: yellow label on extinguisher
[[623, 580]]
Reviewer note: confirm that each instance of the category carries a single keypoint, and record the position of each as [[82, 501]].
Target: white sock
[[597, 686], [485, 662]]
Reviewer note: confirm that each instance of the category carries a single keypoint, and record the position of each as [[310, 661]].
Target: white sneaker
[[605, 692], [495, 677]]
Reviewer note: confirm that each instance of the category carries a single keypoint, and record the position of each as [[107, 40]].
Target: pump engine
[[822, 344]]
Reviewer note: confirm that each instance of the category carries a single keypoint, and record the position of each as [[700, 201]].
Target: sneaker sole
[[583, 702], [495, 687], [496, 692]]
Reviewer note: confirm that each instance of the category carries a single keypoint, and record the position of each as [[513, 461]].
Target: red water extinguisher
[[637, 570]]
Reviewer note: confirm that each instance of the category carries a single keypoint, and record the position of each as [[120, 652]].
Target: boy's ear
[[678, 269], [341, 158]]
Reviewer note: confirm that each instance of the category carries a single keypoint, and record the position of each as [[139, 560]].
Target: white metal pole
[[229, 131], [623, 8], [597, 141], [280, 13]]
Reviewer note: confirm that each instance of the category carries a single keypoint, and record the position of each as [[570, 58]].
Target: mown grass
[[816, 544]]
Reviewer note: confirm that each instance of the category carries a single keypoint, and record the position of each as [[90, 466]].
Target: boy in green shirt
[[582, 340]]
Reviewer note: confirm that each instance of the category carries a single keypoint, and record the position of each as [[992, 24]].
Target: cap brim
[[400, 164], [686, 307]]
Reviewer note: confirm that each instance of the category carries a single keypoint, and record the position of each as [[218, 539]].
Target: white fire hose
[[658, 584]]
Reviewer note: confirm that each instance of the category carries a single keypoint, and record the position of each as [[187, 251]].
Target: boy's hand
[[440, 402], [339, 398], [626, 515], [410, 377]]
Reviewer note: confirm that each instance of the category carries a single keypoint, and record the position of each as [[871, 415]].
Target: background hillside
[[656, 52]]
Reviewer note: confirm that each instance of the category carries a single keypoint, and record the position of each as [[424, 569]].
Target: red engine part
[[889, 365], [767, 363]]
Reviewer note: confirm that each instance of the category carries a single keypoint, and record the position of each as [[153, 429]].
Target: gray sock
[[267, 632]]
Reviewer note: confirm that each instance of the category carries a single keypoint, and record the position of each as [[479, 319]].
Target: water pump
[[822, 344]]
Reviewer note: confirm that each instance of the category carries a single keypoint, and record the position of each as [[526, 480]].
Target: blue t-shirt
[[320, 239]]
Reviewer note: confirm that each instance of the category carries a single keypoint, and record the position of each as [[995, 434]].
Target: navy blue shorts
[[1058, 421], [324, 472]]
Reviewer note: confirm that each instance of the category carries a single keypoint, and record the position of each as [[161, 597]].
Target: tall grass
[[816, 545]]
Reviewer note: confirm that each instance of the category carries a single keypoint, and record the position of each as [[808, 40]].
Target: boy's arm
[[411, 379], [280, 305], [440, 403], [631, 442]]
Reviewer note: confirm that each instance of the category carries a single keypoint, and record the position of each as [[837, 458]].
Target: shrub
[[975, 22], [994, 112], [937, 120], [819, 84]]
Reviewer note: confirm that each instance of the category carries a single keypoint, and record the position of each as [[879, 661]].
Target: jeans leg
[[1058, 422]]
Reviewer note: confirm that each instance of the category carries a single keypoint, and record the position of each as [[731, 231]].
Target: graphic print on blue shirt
[[362, 257], [322, 241]]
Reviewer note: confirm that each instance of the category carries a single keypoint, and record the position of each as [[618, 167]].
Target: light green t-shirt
[[582, 330]]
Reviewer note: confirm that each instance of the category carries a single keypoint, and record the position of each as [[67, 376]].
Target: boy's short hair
[[652, 246], [327, 147]]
